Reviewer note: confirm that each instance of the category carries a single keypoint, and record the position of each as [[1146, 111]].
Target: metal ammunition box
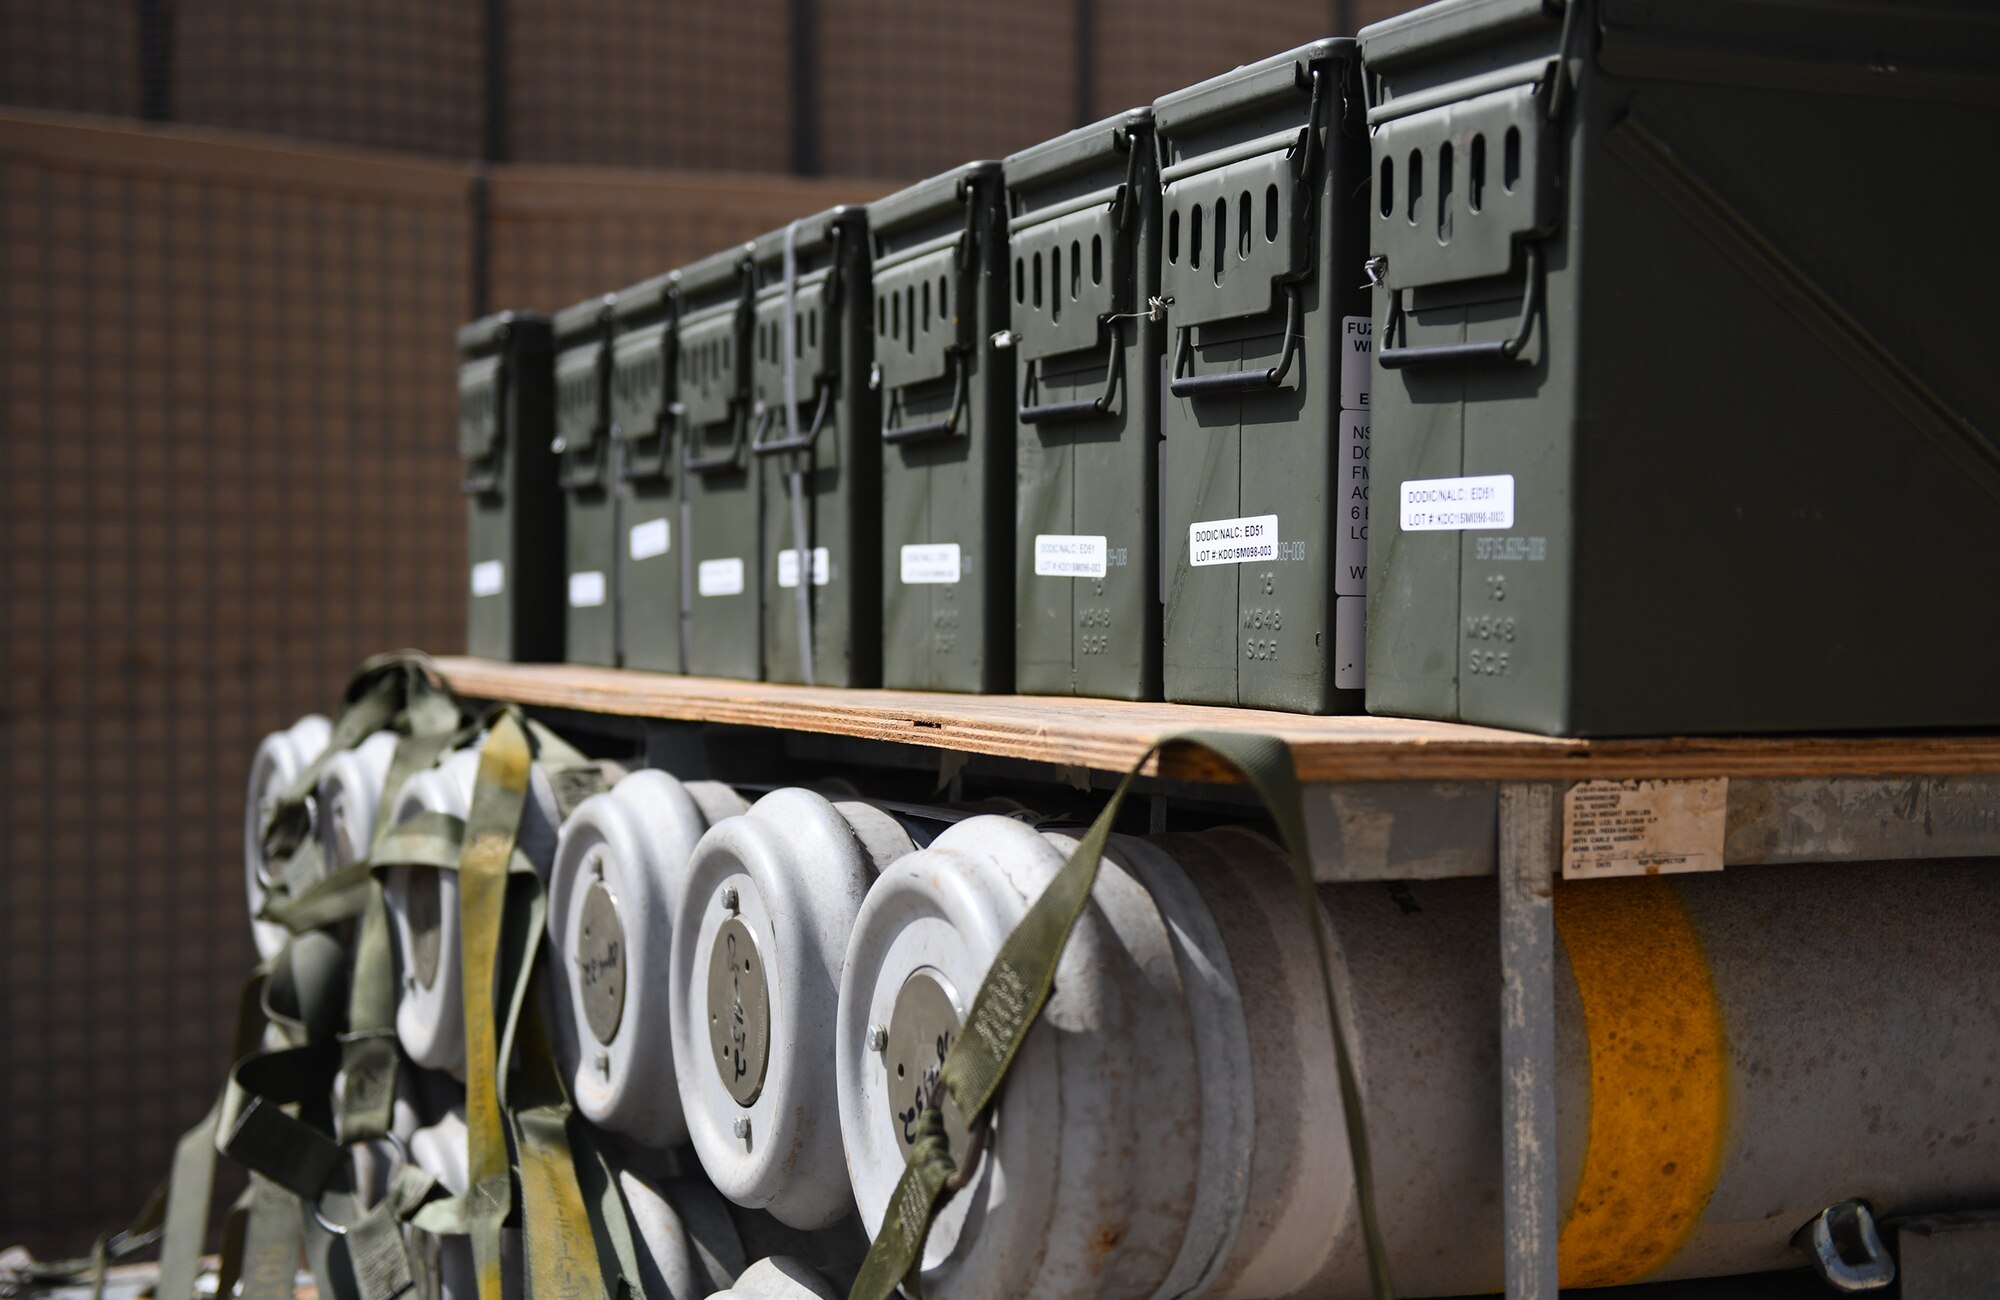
[[514, 520], [818, 445], [586, 472], [1265, 484], [1084, 235], [1682, 420], [643, 358], [947, 401], [722, 570]]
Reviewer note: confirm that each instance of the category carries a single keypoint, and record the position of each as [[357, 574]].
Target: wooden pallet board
[[1110, 735]]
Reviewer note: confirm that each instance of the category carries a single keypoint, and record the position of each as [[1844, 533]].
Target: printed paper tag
[[489, 578], [1643, 828], [1357, 358], [1233, 541], [788, 567], [1060, 555], [930, 562], [1350, 498], [649, 539], [1432, 505], [720, 577], [586, 590]]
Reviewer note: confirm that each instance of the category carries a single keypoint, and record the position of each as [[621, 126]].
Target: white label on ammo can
[[649, 539], [586, 590], [1233, 541], [720, 577], [931, 562], [788, 567], [1435, 505], [1060, 555], [489, 578], [1357, 361]]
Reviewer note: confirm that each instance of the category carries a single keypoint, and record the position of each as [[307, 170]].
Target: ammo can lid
[[716, 271], [1438, 29], [648, 297], [1074, 149], [813, 232], [484, 334], [926, 198], [1250, 84], [588, 316]]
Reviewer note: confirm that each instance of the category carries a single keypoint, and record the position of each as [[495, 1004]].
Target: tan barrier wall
[[228, 396], [386, 73], [896, 89], [79, 56], [911, 88], [561, 234], [228, 472], [635, 83]]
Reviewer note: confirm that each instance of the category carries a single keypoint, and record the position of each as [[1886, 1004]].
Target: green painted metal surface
[[821, 471], [722, 568], [587, 474], [1265, 482], [1680, 424], [643, 358], [1084, 235], [946, 393], [514, 521]]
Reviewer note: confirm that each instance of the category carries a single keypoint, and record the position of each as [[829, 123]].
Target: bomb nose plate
[[739, 1011]]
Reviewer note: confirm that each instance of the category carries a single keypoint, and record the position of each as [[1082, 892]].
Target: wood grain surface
[[1111, 734]]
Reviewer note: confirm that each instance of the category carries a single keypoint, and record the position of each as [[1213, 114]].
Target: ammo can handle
[[1083, 408], [1056, 412], [725, 459], [481, 476], [633, 466], [803, 442], [924, 432], [929, 429], [1487, 350], [1237, 381]]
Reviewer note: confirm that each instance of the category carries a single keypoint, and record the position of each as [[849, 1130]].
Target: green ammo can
[[642, 428], [1085, 240], [947, 400], [721, 537], [585, 470], [817, 439], [514, 520], [1265, 485], [1685, 422]]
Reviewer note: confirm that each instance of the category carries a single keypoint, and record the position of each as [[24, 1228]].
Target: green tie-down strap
[[370, 1056], [1019, 982], [181, 1214], [512, 1085], [401, 690]]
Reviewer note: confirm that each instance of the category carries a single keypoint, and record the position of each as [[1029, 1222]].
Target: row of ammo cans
[[1683, 428], [1074, 423]]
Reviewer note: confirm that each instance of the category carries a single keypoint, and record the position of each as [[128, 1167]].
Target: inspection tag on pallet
[[1643, 828]]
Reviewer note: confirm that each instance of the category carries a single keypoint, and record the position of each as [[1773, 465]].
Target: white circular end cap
[[618, 873], [350, 790], [770, 896]]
